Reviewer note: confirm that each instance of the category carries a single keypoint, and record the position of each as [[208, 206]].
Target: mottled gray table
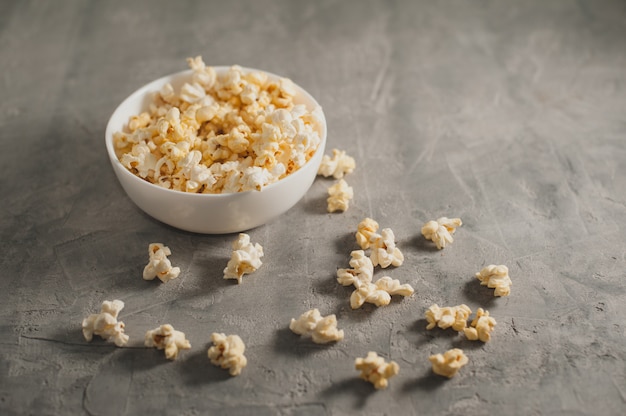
[[510, 115]]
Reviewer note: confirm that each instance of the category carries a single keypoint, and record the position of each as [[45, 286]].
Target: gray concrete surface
[[510, 115]]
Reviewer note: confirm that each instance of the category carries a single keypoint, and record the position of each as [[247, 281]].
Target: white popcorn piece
[[167, 338], [339, 197], [105, 324], [441, 230], [454, 317], [379, 293], [245, 259], [321, 329], [227, 352], [336, 166], [448, 363], [481, 327], [496, 277], [384, 251], [365, 230], [361, 272], [376, 370], [159, 265], [393, 287]]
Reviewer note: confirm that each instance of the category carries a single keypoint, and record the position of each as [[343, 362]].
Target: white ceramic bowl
[[209, 213]]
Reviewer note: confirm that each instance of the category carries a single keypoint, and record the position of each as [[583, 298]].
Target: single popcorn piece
[[365, 230], [375, 370], [361, 273], [379, 293], [245, 259], [449, 316], [336, 166], [448, 363], [159, 265], [496, 277], [167, 338], [384, 251], [440, 231], [227, 352], [105, 324], [340, 195], [322, 330], [481, 327]]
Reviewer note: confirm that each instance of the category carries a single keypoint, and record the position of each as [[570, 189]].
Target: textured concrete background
[[510, 115]]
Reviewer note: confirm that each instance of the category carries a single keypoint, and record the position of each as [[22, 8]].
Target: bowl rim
[[150, 87]]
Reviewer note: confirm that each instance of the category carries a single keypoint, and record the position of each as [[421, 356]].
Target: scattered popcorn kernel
[[496, 277], [440, 231], [340, 195], [449, 316], [245, 259], [361, 272], [393, 286], [227, 352], [159, 265], [449, 363], [167, 338], [337, 166], [365, 230], [481, 327], [384, 251], [375, 370], [321, 329], [105, 324], [379, 293]]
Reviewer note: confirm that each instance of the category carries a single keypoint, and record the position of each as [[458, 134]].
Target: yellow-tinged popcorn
[[441, 230], [376, 370], [448, 363], [361, 272], [336, 166], [379, 293], [340, 195], [159, 265], [245, 258], [496, 277], [384, 251], [227, 352], [454, 317], [481, 327], [365, 230], [321, 329], [167, 338], [105, 324]]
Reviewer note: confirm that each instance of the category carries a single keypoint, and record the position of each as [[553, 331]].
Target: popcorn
[[245, 127], [384, 251], [321, 329], [365, 230], [340, 195], [159, 265], [227, 352], [167, 338], [449, 363], [337, 166], [446, 317], [496, 277], [379, 293], [245, 259], [105, 324], [440, 231], [361, 273], [481, 327], [375, 370]]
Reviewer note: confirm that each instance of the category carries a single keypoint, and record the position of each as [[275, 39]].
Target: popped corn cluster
[[321, 329], [496, 277], [376, 370], [227, 352], [449, 316], [481, 327], [245, 258], [384, 251], [337, 165], [339, 196], [159, 265], [105, 324], [448, 363], [167, 338], [441, 230], [365, 230], [221, 133]]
